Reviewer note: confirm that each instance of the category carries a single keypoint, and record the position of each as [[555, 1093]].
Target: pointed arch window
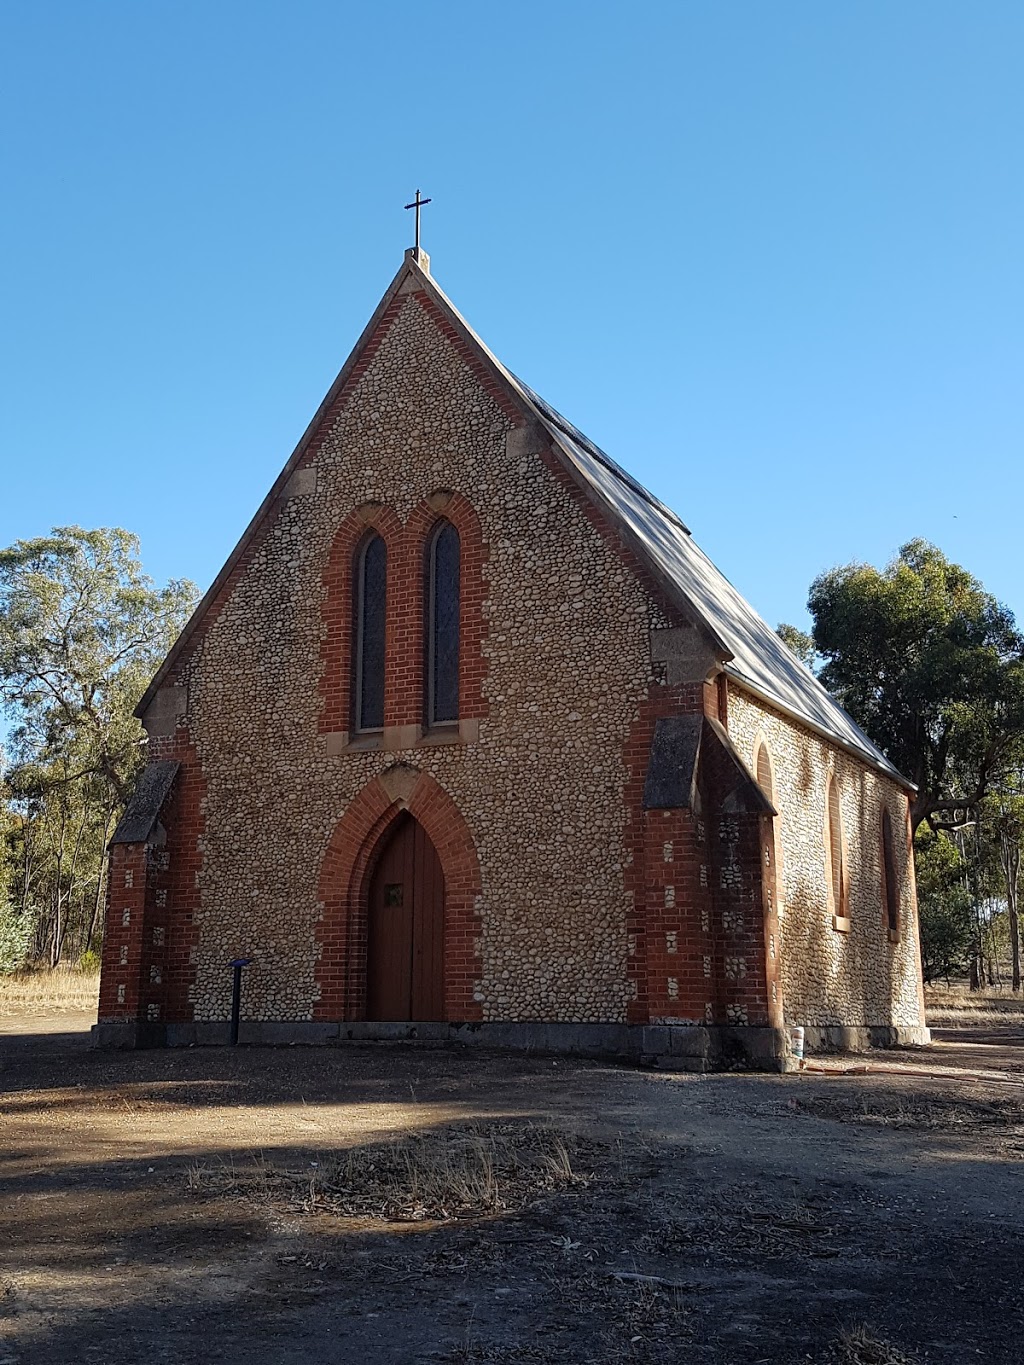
[[891, 885], [444, 592], [764, 772], [371, 573], [763, 767], [773, 870], [837, 859]]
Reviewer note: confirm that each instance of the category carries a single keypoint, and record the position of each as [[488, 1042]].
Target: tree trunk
[[978, 951], [101, 882], [57, 941], [975, 978], [1014, 943], [60, 930], [1009, 856], [26, 870]]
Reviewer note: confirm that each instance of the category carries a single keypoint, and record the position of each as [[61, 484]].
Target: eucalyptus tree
[[82, 630], [932, 668]]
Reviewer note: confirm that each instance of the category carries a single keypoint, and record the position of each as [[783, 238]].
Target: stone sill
[[395, 737], [443, 734], [370, 739], [841, 924], [895, 936]]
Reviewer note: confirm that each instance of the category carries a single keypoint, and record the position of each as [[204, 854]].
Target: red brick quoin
[[344, 886], [151, 933]]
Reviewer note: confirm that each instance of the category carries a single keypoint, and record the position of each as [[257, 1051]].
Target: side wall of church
[[541, 784], [831, 977]]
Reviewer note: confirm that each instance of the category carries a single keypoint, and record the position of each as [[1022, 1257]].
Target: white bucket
[[796, 1042]]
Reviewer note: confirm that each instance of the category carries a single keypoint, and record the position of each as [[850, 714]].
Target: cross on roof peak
[[417, 204]]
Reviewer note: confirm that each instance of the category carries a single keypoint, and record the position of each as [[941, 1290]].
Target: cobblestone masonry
[[541, 789], [830, 977]]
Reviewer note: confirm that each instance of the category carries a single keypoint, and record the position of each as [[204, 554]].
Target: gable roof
[[759, 660], [752, 652]]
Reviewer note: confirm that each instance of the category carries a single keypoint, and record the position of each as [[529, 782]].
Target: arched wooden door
[[405, 928]]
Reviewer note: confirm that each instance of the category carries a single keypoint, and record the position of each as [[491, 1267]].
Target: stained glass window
[[892, 887], [835, 843], [372, 575], [443, 627], [764, 771]]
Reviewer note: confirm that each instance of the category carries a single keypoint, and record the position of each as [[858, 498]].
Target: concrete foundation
[[862, 1038], [670, 1046]]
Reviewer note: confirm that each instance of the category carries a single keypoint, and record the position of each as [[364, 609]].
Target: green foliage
[[17, 935], [6, 832], [1002, 842], [89, 961], [799, 643], [931, 666], [82, 630], [945, 907]]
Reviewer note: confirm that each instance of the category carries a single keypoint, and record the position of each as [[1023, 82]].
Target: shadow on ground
[[166, 1206]]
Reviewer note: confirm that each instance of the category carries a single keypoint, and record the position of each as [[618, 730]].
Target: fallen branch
[[977, 1077], [633, 1278]]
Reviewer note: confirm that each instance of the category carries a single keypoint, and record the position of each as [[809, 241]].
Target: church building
[[470, 741]]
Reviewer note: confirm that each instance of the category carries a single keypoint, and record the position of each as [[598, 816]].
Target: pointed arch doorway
[[405, 928]]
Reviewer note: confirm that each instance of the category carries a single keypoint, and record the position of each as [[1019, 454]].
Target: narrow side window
[[764, 773], [371, 572], [835, 844], [891, 884], [772, 870], [443, 606]]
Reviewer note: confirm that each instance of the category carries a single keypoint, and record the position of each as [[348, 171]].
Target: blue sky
[[767, 254]]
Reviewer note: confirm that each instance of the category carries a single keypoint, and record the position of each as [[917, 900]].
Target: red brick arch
[[344, 884]]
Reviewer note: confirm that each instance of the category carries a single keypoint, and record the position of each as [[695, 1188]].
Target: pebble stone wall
[[567, 658], [830, 977]]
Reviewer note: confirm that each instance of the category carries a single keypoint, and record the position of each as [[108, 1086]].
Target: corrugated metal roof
[[554, 418], [760, 659]]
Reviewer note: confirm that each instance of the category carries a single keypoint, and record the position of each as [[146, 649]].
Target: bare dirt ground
[[403, 1204]]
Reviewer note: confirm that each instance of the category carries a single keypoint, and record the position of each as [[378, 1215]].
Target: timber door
[[405, 929]]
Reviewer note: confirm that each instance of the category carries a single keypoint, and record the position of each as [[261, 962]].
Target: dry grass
[[62, 991], [860, 1346], [456, 1173], [475, 1352], [966, 1114], [958, 1007]]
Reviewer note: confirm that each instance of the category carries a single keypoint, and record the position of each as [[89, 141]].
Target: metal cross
[[417, 204]]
